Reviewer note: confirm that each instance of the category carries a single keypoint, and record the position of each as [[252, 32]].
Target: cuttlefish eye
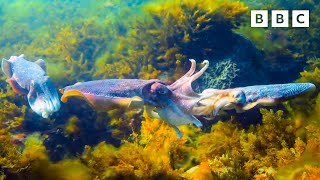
[[162, 90], [159, 89]]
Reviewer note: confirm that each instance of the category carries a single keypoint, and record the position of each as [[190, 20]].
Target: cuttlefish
[[30, 78], [177, 103]]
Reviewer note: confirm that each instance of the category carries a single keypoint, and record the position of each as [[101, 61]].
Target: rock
[[236, 62]]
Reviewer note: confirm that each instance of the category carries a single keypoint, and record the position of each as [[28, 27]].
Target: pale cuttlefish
[[177, 103], [30, 78]]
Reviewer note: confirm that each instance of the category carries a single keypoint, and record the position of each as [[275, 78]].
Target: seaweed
[[12, 113], [136, 159], [289, 43], [160, 38]]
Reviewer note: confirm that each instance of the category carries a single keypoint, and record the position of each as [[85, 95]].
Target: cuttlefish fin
[[128, 102], [42, 64], [6, 68], [64, 97], [263, 101], [16, 87], [249, 106], [136, 102], [238, 109]]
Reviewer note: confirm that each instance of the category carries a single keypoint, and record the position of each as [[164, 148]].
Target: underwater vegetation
[[82, 41], [295, 44], [160, 44]]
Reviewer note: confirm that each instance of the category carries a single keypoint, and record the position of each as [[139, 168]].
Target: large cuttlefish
[[30, 78], [177, 104]]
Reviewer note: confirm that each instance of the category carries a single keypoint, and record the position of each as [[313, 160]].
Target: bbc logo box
[[280, 18]]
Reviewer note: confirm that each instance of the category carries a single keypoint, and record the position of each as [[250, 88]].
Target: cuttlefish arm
[[245, 98], [173, 103], [43, 98], [183, 94], [183, 84]]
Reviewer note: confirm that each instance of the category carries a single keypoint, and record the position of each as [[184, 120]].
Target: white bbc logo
[[280, 18]]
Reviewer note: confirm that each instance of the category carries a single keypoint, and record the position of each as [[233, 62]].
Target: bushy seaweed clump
[[23, 155], [159, 42], [70, 37], [286, 43], [12, 112], [33, 162], [268, 150], [151, 154], [227, 152]]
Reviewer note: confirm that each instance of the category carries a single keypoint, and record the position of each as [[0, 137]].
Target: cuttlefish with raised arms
[[30, 78], [177, 104]]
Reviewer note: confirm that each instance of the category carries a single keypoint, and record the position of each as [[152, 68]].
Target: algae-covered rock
[[233, 63]]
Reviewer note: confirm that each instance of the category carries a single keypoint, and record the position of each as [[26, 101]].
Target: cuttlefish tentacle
[[208, 102]]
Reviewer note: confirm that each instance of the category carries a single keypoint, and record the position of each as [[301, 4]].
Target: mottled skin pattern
[[245, 98], [29, 78], [177, 104], [110, 93]]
